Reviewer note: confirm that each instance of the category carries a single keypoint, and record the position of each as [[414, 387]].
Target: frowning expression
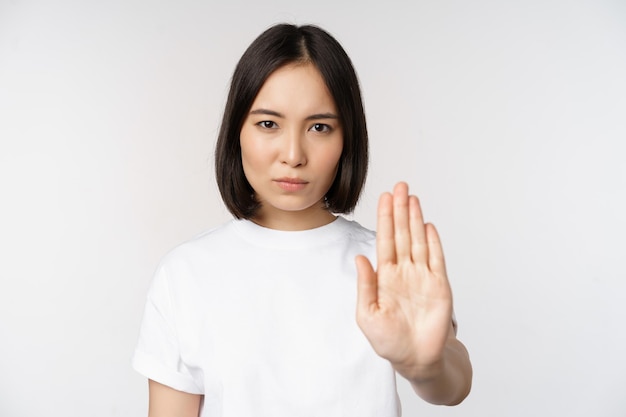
[[291, 143]]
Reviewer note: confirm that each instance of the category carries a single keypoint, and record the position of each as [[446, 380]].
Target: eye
[[267, 124], [320, 128]]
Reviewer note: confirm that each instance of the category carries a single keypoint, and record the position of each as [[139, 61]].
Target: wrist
[[420, 373]]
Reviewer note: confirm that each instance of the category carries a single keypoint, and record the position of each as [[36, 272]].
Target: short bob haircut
[[278, 46]]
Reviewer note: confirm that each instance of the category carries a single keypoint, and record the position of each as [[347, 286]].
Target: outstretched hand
[[404, 307]]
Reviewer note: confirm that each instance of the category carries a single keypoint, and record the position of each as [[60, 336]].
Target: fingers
[[385, 240], [419, 247], [436, 261], [402, 231], [367, 285]]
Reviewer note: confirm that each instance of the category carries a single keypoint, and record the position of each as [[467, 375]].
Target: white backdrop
[[508, 119]]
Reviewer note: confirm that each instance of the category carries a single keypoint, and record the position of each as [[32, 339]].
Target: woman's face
[[291, 142]]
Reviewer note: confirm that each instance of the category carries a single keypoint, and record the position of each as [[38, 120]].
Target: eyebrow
[[315, 116]]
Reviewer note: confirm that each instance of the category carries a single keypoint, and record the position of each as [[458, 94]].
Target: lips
[[291, 184], [291, 180]]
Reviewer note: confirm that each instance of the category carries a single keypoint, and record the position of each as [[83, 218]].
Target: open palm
[[405, 306]]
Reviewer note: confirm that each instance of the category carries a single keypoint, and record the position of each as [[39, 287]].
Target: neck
[[294, 220]]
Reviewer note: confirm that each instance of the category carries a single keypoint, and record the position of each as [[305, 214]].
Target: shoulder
[[362, 239], [185, 267], [212, 243], [356, 231], [207, 240]]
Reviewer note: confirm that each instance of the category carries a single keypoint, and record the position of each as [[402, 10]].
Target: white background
[[507, 118]]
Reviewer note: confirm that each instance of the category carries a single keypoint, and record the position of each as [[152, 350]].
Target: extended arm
[[445, 383], [405, 306]]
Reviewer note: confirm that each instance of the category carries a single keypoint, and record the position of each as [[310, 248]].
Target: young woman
[[257, 317]]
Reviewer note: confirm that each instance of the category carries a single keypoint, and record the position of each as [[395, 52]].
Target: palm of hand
[[405, 306]]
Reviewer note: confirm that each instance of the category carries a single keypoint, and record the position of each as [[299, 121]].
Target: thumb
[[367, 285]]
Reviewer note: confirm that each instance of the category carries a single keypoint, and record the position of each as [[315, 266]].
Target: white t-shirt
[[262, 323]]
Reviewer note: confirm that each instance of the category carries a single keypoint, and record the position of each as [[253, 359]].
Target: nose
[[292, 150]]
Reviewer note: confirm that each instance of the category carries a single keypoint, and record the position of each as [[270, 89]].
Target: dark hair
[[278, 46]]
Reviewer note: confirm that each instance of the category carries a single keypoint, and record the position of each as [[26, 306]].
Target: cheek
[[252, 167], [329, 163], [334, 156], [247, 156], [251, 151]]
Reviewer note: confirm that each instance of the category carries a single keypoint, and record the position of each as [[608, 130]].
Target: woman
[[257, 316]]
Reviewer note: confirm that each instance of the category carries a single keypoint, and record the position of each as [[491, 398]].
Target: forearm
[[448, 382]]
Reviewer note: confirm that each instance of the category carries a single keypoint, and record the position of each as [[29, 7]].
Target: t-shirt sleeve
[[157, 355]]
